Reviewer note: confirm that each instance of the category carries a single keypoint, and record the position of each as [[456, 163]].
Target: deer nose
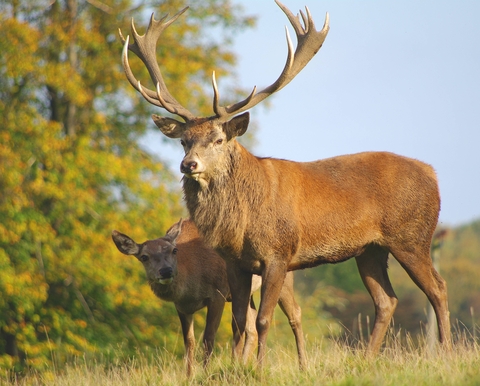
[[188, 167], [166, 272]]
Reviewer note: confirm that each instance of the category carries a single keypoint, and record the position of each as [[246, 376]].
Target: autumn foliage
[[71, 170]]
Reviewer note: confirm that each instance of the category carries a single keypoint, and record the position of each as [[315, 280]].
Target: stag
[[269, 216], [181, 269]]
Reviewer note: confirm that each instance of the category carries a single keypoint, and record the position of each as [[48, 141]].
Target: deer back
[[317, 212]]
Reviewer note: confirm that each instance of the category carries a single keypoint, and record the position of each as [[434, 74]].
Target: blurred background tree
[[71, 170]]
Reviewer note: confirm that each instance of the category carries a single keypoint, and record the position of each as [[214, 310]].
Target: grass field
[[330, 362]]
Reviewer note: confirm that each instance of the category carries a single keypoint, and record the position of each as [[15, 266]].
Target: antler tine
[[126, 65], [295, 20], [217, 109], [148, 98], [169, 107], [144, 46], [158, 101], [309, 41], [221, 111]]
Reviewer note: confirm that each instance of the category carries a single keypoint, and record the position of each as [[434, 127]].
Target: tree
[[71, 170], [459, 260]]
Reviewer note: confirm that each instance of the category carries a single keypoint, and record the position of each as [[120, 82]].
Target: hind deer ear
[[174, 232], [125, 244], [168, 126], [237, 126]]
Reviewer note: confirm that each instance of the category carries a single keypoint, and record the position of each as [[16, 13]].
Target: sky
[[398, 76]]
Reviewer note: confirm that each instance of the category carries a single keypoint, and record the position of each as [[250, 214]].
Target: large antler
[[144, 47], [309, 42]]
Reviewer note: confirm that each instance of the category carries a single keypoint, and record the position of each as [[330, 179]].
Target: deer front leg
[[214, 316], [186, 321], [273, 277], [240, 283], [250, 331]]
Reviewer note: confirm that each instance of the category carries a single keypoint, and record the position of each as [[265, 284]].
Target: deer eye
[[143, 258], [175, 250], [182, 142], [219, 141]]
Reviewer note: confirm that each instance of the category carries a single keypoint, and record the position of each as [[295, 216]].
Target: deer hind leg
[[251, 335], [214, 316], [294, 314], [419, 267], [372, 265]]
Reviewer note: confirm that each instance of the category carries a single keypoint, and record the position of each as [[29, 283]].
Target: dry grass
[[331, 362]]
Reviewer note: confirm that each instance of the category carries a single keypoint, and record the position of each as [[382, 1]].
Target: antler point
[[125, 47], [134, 30]]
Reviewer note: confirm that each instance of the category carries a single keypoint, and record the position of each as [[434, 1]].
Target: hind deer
[[269, 216], [181, 269]]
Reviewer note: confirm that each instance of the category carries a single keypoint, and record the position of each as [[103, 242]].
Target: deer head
[[207, 139], [157, 256]]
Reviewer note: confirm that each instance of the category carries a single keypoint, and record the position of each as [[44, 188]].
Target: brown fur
[[198, 279], [269, 216]]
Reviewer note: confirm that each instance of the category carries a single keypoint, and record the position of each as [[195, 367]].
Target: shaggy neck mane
[[221, 211]]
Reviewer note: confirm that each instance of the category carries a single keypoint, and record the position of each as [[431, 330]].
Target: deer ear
[[125, 244], [168, 126], [174, 232], [237, 126]]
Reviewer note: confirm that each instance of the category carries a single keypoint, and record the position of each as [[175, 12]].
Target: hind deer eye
[[175, 250], [182, 142], [219, 141], [143, 258]]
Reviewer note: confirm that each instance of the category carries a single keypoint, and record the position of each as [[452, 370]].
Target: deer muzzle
[[166, 275], [188, 167], [192, 169]]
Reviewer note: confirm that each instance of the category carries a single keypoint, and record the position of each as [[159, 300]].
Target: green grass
[[330, 362]]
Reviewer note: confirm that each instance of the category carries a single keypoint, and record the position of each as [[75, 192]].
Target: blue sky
[[400, 76]]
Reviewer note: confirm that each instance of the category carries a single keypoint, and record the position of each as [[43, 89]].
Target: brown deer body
[[269, 216], [181, 269]]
